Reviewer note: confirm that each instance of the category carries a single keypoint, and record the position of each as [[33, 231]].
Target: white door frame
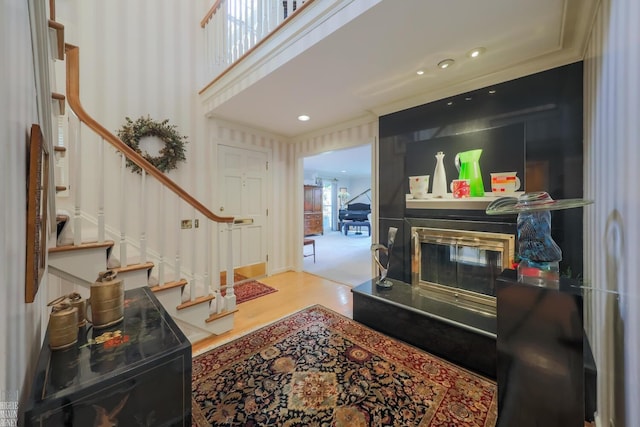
[[299, 198]]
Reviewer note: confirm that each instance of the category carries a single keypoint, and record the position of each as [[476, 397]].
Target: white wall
[[21, 332], [612, 224], [357, 185], [141, 59]]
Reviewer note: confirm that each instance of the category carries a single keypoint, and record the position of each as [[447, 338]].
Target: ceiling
[[367, 67]]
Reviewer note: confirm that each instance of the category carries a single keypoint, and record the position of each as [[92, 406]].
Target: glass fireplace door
[[460, 266]]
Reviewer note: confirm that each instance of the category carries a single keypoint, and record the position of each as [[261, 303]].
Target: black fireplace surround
[[532, 125]]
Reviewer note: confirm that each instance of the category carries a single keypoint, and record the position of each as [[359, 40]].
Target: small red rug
[[317, 367], [252, 289]]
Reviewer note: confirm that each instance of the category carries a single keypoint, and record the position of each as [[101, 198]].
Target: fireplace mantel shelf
[[448, 202]]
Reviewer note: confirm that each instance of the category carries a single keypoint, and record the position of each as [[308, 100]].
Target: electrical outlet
[[185, 223]]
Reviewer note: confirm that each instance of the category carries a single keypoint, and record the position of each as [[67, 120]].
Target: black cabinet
[[541, 360], [137, 372]]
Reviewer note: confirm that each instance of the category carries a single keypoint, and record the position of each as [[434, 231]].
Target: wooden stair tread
[[199, 300], [61, 101], [60, 188], [83, 245], [169, 285], [217, 316], [59, 148], [59, 29], [134, 267]]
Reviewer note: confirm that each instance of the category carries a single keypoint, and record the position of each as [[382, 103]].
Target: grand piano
[[356, 216], [355, 213]]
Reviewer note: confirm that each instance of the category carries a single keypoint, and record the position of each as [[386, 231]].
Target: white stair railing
[[233, 27], [114, 220]]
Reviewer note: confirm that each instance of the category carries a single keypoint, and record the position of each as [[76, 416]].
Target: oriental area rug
[[319, 368], [252, 289]]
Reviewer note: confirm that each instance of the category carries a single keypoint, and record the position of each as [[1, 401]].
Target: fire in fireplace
[[459, 266]]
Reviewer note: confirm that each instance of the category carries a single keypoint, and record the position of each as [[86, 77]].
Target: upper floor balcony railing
[[234, 27]]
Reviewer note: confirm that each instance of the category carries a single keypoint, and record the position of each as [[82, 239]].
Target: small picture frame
[[37, 206]]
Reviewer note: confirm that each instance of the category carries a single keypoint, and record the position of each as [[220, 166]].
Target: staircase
[[131, 223]]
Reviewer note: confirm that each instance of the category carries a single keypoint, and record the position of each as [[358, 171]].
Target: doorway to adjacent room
[[344, 258]]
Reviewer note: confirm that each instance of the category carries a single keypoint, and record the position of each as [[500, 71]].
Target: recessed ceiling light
[[468, 98], [450, 103], [420, 72], [492, 91], [303, 118], [474, 53], [445, 63], [343, 171]]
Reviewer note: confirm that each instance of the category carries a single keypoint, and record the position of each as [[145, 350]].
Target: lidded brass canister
[[76, 300], [107, 300], [63, 326]]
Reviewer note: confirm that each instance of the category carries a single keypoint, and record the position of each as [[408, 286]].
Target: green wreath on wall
[[172, 152]]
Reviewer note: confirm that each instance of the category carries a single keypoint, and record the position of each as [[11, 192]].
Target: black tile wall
[[545, 107]]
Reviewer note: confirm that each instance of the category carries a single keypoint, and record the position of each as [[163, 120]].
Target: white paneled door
[[242, 176]]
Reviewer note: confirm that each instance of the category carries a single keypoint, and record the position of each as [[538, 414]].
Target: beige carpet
[[344, 259]]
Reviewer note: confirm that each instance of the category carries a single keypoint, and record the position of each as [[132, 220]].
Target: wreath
[[170, 154]]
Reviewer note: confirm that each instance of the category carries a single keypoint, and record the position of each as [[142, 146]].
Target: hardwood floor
[[295, 292]]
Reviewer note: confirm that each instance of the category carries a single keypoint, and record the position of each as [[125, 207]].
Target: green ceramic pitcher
[[468, 165]]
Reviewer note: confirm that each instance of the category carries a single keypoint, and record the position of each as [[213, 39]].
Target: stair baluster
[[178, 231], [101, 192], [192, 255], [76, 163], [161, 238], [143, 215], [123, 213], [230, 297]]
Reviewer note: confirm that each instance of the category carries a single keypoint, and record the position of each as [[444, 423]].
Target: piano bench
[[357, 225]]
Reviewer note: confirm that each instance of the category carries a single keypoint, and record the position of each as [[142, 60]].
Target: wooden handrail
[[256, 46], [73, 98], [211, 12]]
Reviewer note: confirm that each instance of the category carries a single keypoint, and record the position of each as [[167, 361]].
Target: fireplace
[[459, 263]]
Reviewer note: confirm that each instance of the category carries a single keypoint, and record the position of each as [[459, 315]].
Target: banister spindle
[[178, 230], [274, 14], [260, 16], [192, 288], [101, 188], [230, 297], [246, 29], [143, 216], [208, 282], [123, 212], [232, 30], [74, 127], [162, 230]]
